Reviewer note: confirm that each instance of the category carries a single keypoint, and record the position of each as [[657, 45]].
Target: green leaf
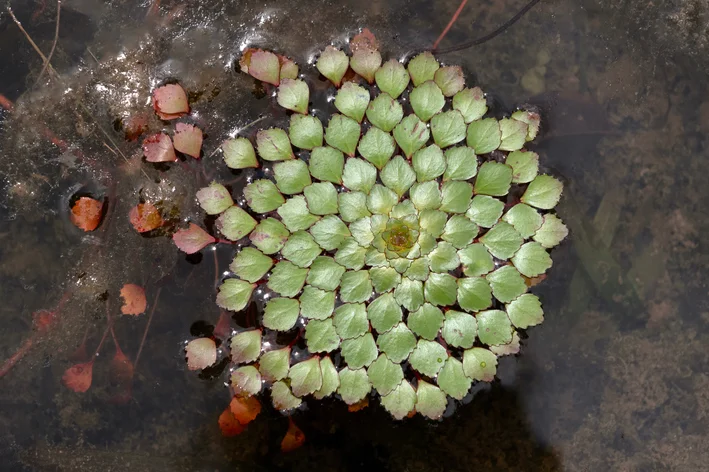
[[321, 198], [427, 243], [423, 67], [427, 100], [330, 379], [301, 249], [350, 254], [289, 70], [400, 264], [384, 112], [305, 131], [525, 311], [354, 385], [239, 153], [398, 175], [214, 199], [251, 264], [274, 365], [444, 258], [342, 133], [428, 163], [263, 196], [485, 211], [450, 80], [525, 165], [352, 100], [476, 260], [295, 215], [426, 321], [234, 294], [359, 175], [270, 235], [316, 304], [440, 289], [459, 231], [461, 163], [287, 279], [281, 314], [506, 283], [397, 343], [385, 375], [305, 377], [326, 164], [330, 232], [514, 134], [452, 379], [459, 329], [273, 145], [282, 397], [392, 78], [333, 64], [362, 231], [293, 95], [411, 134], [479, 364], [355, 287], [366, 62], [359, 352], [543, 192], [246, 346], [235, 223], [456, 196], [321, 336], [379, 223], [418, 270], [381, 200], [409, 294], [353, 206], [484, 136], [400, 401], [532, 260], [508, 349], [350, 320], [433, 222], [471, 103], [493, 179], [525, 219], [502, 240], [384, 312], [532, 120], [325, 273], [426, 195], [552, 232], [384, 278], [474, 294], [428, 357], [377, 147], [448, 128], [494, 327], [291, 176]]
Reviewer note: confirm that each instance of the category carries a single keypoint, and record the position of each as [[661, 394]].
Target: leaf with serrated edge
[[330, 379], [354, 385], [384, 278], [333, 64], [426, 321], [342, 133], [353, 206], [479, 364], [484, 136], [381, 200], [400, 401], [235, 223], [471, 103], [543, 192], [330, 232], [459, 329], [295, 215], [263, 196], [305, 377], [552, 232], [474, 293], [251, 264], [274, 365], [423, 67], [359, 175], [508, 349], [377, 147], [273, 145], [494, 327], [384, 312], [409, 294], [293, 95], [246, 346], [525, 311], [428, 163], [444, 258], [305, 131], [269, 235], [440, 289], [355, 286], [427, 100], [455, 196], [326, 164], [301, 249], [352, 100], [433, 222], [384, 112], [281, 314], [361, 230], [461, 163], [525, 165], [398, 175], [532, 260], [214, 199], [452, 379], [506, 283], [325, 273], [448, 128], [493, 179], [350, 255], [532, 120], [514, 134], [428, 357], [485, 211], [502, 240], [397, 343], [426, 195], [476, 260], [459, 231], [366, 63], [392, 78], [291, 176], [321, 336], [239, 153], [282, 397], [418, 270], [350, 320], [411, 134], [234, 294], [316, 304], [359, 352], [385, 375], [287, 279], [450, 80], [321, 198], [525, 219]]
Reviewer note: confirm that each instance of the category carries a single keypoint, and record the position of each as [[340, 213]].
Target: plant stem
[[54, 43], [450, 23], [147, 327]]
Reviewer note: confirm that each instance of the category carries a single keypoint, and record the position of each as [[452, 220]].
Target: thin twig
[[450, 23], [54, 43], [92, 55], [147, 327]]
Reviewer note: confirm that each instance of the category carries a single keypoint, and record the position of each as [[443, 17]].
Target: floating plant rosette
[[396, 241]]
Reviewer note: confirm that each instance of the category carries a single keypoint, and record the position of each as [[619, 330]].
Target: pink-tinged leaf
[[134, 302], [158, 148], [193, 239], [86, 213], [364, 41], [145, 217], [188, 139], [201, 353], [214, 199], [294, 437], [245, 409], [261, 65], [170, 101], [78, 377], [229, 425], [289, 69]]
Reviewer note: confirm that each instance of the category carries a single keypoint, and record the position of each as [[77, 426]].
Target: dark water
[[617, 376]]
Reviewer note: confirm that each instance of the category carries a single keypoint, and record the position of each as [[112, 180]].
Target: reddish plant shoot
[[86, 213], [245, 409], [294, 437], [145, 217], [78, 377], [170, 102], [134, 302], [188, 139], [158, 148], [193, 239]]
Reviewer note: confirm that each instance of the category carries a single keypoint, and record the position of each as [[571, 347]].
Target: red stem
[[450, 23], [19, 354], [147, 327]]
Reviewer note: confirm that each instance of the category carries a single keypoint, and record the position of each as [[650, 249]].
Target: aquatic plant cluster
[[399, 238]]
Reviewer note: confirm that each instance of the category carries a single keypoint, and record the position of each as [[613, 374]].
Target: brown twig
[[450, 23], [54, 43]]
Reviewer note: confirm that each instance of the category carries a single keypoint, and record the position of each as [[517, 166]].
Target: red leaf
[[261, 65], [134, 302], [201, 353], [145, 217], [121, 369], [360, 405], [78, 377], [135, 125], [170, 101], [245, 409], [188, 139], [294, 437], [364, 41], [158, 148], [229, 424], [192, 239], [86, 213]]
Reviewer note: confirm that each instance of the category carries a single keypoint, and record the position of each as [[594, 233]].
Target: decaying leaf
[[134, 302], [145, 217], [188, 139], [86, 213], [170, 101], [193, 239], [245, 409], [78, 377], [201, 353], [294, 437], [229, 425], [158, 148]]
